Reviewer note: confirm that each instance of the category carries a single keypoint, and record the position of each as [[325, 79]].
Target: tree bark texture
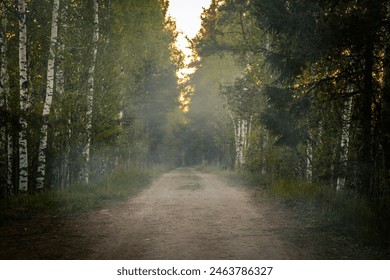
[[40, 180], [23, 95], [344, 144], [91, 89]]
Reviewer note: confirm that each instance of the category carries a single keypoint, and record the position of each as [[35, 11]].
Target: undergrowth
[[117, 186], [345, 211]]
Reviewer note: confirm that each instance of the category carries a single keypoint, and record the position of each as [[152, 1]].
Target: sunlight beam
[[187, 14]]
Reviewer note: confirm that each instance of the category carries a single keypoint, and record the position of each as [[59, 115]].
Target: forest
[[285, 92], [301, 90], [84, 88]]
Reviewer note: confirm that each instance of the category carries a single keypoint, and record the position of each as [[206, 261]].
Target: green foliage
[[347, 210], [135, 87], [304, 62], [117, 186]]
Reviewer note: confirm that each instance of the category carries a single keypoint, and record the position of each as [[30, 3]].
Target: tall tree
[[5, 135], [40, 180], [91, 90], [23, 95]]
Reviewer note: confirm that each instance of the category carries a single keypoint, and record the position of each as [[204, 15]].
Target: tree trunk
[[344, 144], [4, 93], [91, 85], [264, 144], [309, 159], [385, 140], [40, 181], [365, 100], [23, 102], [241, 139], [60, 91]]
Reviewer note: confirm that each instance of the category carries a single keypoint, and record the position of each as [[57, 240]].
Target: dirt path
[[188, 215], [182, 215]]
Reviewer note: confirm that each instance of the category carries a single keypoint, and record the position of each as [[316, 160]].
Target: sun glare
[[186, 13]]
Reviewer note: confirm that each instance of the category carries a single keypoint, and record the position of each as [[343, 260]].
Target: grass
[[343, 211], [117, 186]]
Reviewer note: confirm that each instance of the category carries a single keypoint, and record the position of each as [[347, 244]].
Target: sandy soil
[[183, 215]]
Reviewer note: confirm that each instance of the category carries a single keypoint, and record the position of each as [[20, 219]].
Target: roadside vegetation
[[346, 211], [79, 198], [333, 217]]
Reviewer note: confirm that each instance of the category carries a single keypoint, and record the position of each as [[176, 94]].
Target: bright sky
[[187, 16]]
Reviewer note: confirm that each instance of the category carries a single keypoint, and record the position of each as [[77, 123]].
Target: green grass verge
[[343, 211], [117, 186]]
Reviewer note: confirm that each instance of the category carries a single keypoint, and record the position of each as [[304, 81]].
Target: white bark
[[3, 60], [344, 144], [242, 129], [91, 86], [23, 92], [4, 96], [309, 154], [40, 181], [263, 156], [236, 129], [10, 156], [240, 142], [60, 73], [60, 91], [309, 161]]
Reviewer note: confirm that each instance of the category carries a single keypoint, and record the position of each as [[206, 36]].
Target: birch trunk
[[309, 161], [23, 103], [263, 156], [3, 63], [241, 133], [4, 97], [91, 86], [237, 129], [3, 89], [309, 156], [60, 91], [60, 72], [344, 144], [40, 181]]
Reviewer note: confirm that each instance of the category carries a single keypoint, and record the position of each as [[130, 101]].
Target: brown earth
[[184, 214]]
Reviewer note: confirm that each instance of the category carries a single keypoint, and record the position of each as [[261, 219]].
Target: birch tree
[[5, 135], [91, 85], [40, 180], [344, 144], [64, 173], [23, 95], [240, 100]]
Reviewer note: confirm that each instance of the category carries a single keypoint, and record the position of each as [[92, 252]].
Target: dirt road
[[183, 215], [190, 215]]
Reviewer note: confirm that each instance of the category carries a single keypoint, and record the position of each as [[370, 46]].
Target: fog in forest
[[287, 99]]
